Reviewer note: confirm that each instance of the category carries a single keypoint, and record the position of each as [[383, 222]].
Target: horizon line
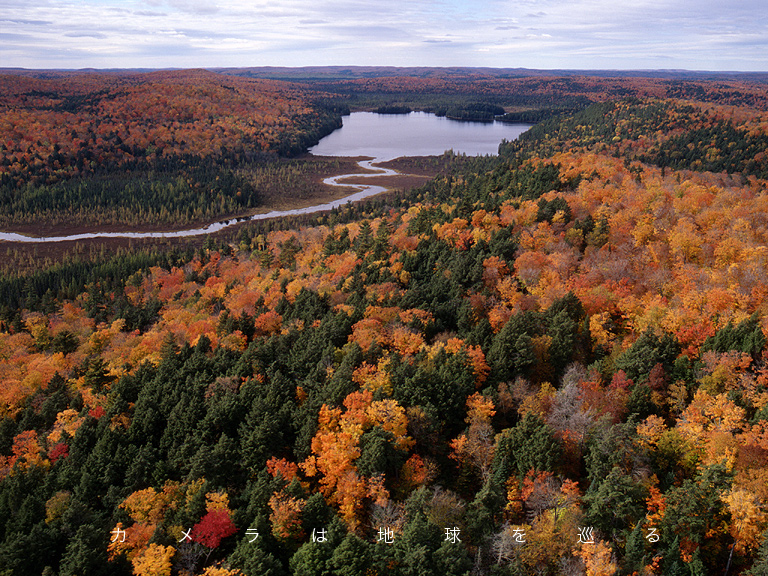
[[382, 66]]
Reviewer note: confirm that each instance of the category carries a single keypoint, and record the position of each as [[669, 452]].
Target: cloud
[[6, 22], [192, 6], [85, 35], [502, 33]]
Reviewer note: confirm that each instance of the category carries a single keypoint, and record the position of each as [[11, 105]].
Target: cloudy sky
[[584, 34]]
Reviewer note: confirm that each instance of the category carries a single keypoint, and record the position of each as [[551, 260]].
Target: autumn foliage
[[569, 335]]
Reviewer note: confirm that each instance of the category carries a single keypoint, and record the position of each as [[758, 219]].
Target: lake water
[[380, 136], [388, 136]]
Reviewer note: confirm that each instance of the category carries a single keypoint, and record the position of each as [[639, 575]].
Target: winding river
[[364, 190], [381, 137]]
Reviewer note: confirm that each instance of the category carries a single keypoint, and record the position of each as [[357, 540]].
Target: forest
[[156, 148], [549, 361]]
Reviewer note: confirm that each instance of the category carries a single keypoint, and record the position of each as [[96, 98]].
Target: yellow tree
[[286, 516], [747, 519], [156, 560], [597, 559], [219, 571], [476, 446]]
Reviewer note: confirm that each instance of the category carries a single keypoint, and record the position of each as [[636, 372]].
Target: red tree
[[214, 526]]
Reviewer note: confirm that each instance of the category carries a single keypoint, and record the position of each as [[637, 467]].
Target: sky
[[543, 34]]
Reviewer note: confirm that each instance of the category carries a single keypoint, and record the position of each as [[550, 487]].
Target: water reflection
[[389, 136], [381, 137]]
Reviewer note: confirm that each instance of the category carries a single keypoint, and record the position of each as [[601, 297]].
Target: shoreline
[[368, 172]]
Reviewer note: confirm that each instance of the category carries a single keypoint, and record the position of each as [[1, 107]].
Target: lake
[[380, 136], [388, 136]]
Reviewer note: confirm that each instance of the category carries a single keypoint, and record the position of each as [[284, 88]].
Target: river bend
[[364, 191]]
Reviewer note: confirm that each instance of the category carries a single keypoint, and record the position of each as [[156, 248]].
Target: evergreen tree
[[529, 445]]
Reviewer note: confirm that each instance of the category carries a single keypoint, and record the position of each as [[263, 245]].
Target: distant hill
[[354, 72], [324, 73]]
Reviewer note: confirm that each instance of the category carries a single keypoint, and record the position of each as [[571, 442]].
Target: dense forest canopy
[[550, 361], [160, 147]]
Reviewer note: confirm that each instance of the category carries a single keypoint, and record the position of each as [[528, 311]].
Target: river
[[363, 192], [380, 136]]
